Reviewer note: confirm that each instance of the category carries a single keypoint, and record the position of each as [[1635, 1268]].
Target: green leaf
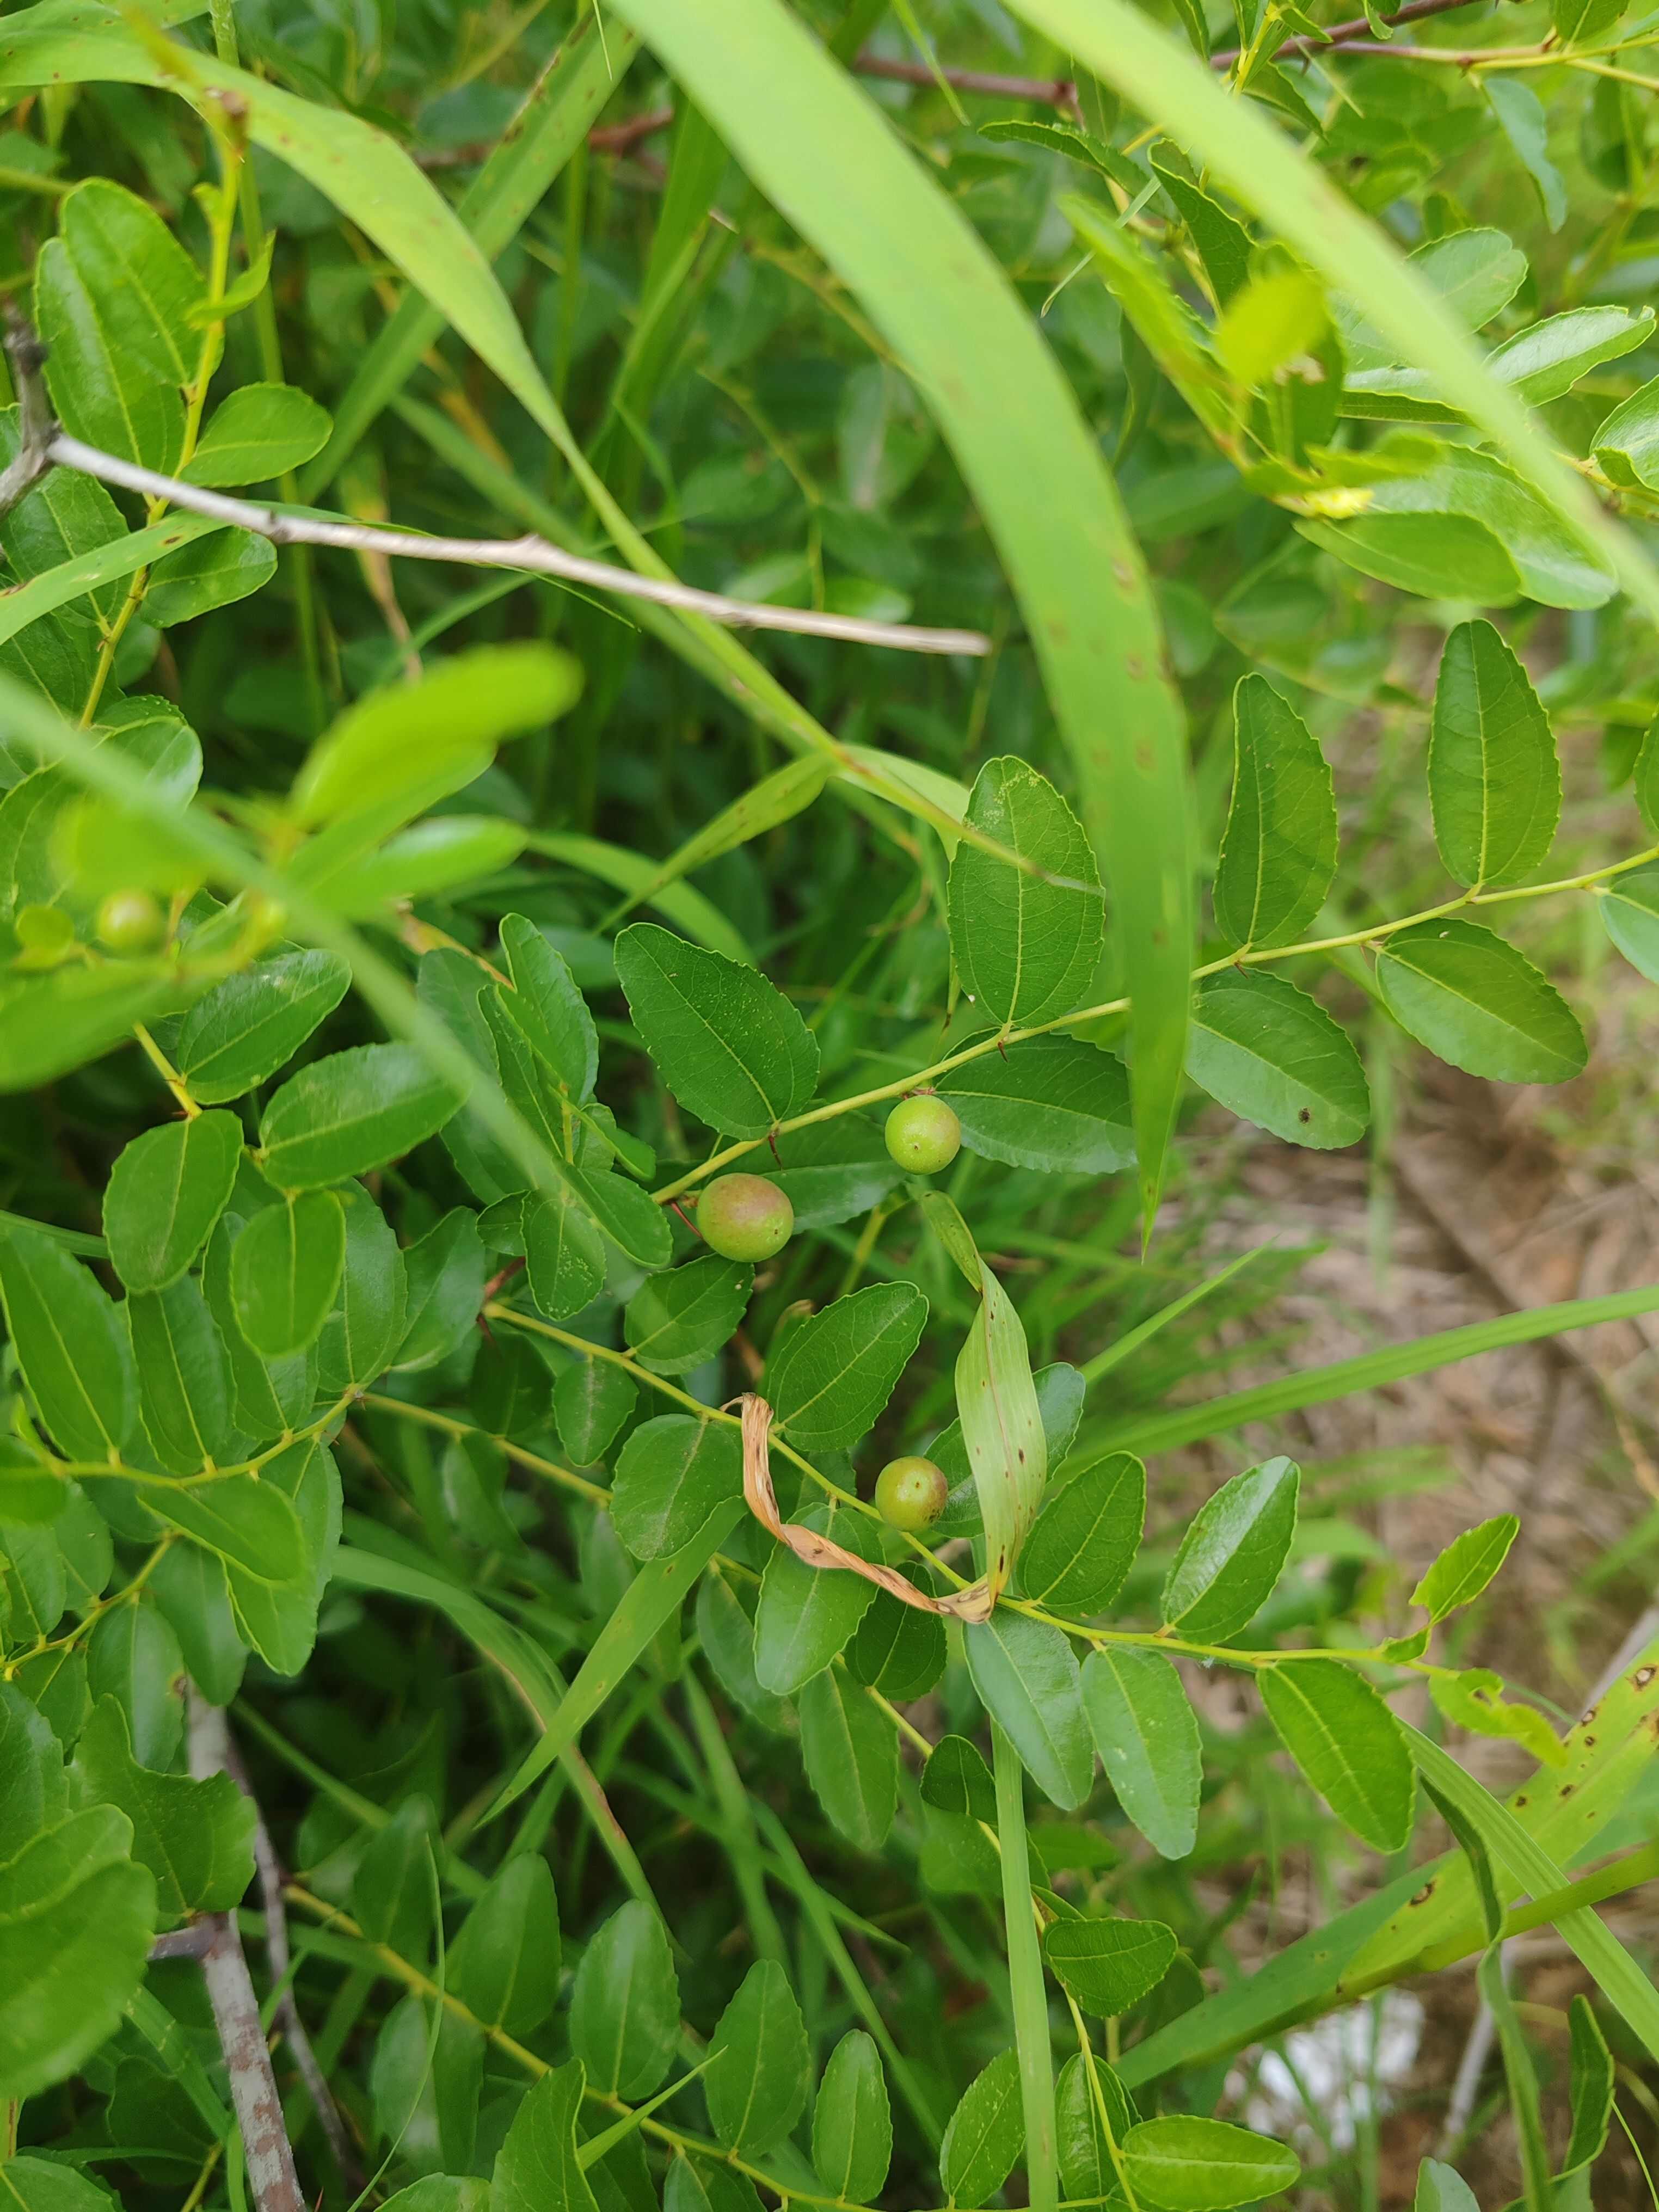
[[1085, 1538], [728, 1043], [1548, 358], [1086, 2168], [1473, 1699], [1521, 119], [189, 1588], [691, 914], [1442, 2189], [986, 2134], [1031, 465], [1050, 1102], [675, 1321], [726, 1632], [77, 1916], [851, 1752], [537, 2168], [268, 1397], [807, 1614], [1278, 848], [112, 295], [1626, 445], [246, 1520], [366, 1326], [1230, 1556], [257, 433], [1592, 2087], [1025, 948], [674, 1474], [285, 1268], [506, 1959], [957, 1779], [394, 1888], [184, 1375], [444, 1272], [1222, 243], [1109, 1965], [1465, 1566], [196, 1838], [1146, 1734], [51, 1023], [591, 1400], [434, 859], [563, 1251], [212, 572], [757, 2076], [898, 1649], [1476, 1001], [1629, 908], [351, 1113], [1494, 781], [166, 1190], [1077, 145], [1026, 1675], [1185, 2163], [1348, 1745], [625, 2006], [853, 2122], [133, 1657], [70, 1343], [837, 1369], [1272, 1055], [1578, 21], [546, 1005], [42, 2184], [253, 1023], [421, 740], [833, 1171]]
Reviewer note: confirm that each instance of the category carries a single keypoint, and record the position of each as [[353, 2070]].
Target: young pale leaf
[[1086, 1538], [1025, 948], [70, 1343], [166, 1189], [674, 1321], [836, 1371], [1473, 1699], [957, 1779], [252, 1024], [807, 1614], [1629, 908], [1051, 1103], [537, 2167], [1185, 2163], [1549, 357], [757, 2076], [564, 1253], [1443, 2189], [545, 1005], [1001, 1426], [1146, 1734], [1465, 1566], [591, 1402], [421, 740], [853, 2122], [1477, 1002], [1626, 445], [1348, 1745], [985, 2134], [1026, 1675], [673, 1475], [1278, 848], [351, 1113], [184, 1375], [1109, 1965], [625, 2005], [851, 1752], [1494, 780], [255, 433], [1272, 1055], [285, 1268], [504, 1964], [728, 1043], [1232, 1552]]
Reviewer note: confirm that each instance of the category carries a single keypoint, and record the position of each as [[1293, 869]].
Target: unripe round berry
[[910, 1492], [744, 1217], [130, 921], [923, 1134]]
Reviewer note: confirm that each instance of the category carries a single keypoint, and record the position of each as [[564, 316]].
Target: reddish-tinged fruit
[[744, 1217]]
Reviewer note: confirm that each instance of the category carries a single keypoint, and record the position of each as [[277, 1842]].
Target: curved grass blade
[[823, 155]]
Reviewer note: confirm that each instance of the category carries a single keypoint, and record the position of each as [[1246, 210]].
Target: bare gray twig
[[190, 1942], [214, 1750], [270, 2172], [34, 423], [533, 555]]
